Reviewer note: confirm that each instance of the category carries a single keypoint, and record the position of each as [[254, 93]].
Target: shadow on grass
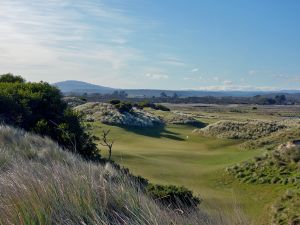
[[197, 124], [155, 132]]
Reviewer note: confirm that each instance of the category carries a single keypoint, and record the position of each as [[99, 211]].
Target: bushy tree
[[163, 95], [39, 107], [10, 78], [280, 99]]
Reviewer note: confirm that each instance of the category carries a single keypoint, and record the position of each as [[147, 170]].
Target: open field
[[167, 156]]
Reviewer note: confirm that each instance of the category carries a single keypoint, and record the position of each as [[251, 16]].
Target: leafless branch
[[107, 142]]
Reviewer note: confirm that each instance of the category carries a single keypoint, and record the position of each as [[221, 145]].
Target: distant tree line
[[279, 99]]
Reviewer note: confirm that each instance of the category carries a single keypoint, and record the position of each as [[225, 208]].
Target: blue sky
[[194, 44]]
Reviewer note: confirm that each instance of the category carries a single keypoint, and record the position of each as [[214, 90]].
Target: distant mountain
[[74, 86]]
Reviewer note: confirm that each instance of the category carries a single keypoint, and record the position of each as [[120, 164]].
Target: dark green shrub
[[145, 104], [162, 108], [38, 107], [115, 101], [173, 195], [124, 107]]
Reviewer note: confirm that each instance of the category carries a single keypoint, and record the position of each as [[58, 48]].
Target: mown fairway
[[174, 155]]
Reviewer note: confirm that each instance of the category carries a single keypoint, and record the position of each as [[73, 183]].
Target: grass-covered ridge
[[287, 207], [241, 129], [42, 184], [276, 167], [123, 116], [280, 166]]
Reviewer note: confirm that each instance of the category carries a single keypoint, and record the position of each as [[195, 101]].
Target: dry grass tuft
[[42, 184]]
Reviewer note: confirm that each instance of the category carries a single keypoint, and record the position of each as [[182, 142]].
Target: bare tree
[[107, 142]]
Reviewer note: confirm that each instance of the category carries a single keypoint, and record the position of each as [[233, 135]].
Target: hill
[[75, 86], [109, 114]]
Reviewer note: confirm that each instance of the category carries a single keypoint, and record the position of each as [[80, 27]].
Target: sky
[[159, 44]]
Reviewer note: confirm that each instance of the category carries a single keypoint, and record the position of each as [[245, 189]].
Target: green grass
[[167, 156]]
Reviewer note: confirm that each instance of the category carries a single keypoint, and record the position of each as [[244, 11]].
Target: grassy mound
[[176, 117], [281, 166], [241, 130], [74, 101], [287, 208], [118, 114], [42, 184], [270, 142]]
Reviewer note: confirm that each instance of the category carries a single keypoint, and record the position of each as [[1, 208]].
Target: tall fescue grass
[[42, 184], [252, 129], [271, 141]]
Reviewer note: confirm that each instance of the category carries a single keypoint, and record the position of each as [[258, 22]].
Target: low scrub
[[74, 101], [269, 142], [174, 196], [286, 209], [42, 184], [124, 107], [147, 104], [120, 114], [241, 130], [176, 117], [121, 106], [281, 166]]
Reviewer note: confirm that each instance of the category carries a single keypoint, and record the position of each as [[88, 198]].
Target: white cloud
[[171, 60], [195, 70], [216, 78], [174, 62], [227, 82], [53, 40], [295, 79], [252, 72], [288, 78], [156, 76], [193, 78], [119, 40]]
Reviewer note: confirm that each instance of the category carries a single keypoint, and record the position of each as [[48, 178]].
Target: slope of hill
[[42, 184], [280, 166], [81, 87], [109, 114], [252, 129]]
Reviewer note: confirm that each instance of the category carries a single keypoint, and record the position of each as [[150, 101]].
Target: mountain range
[[80, 87]]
